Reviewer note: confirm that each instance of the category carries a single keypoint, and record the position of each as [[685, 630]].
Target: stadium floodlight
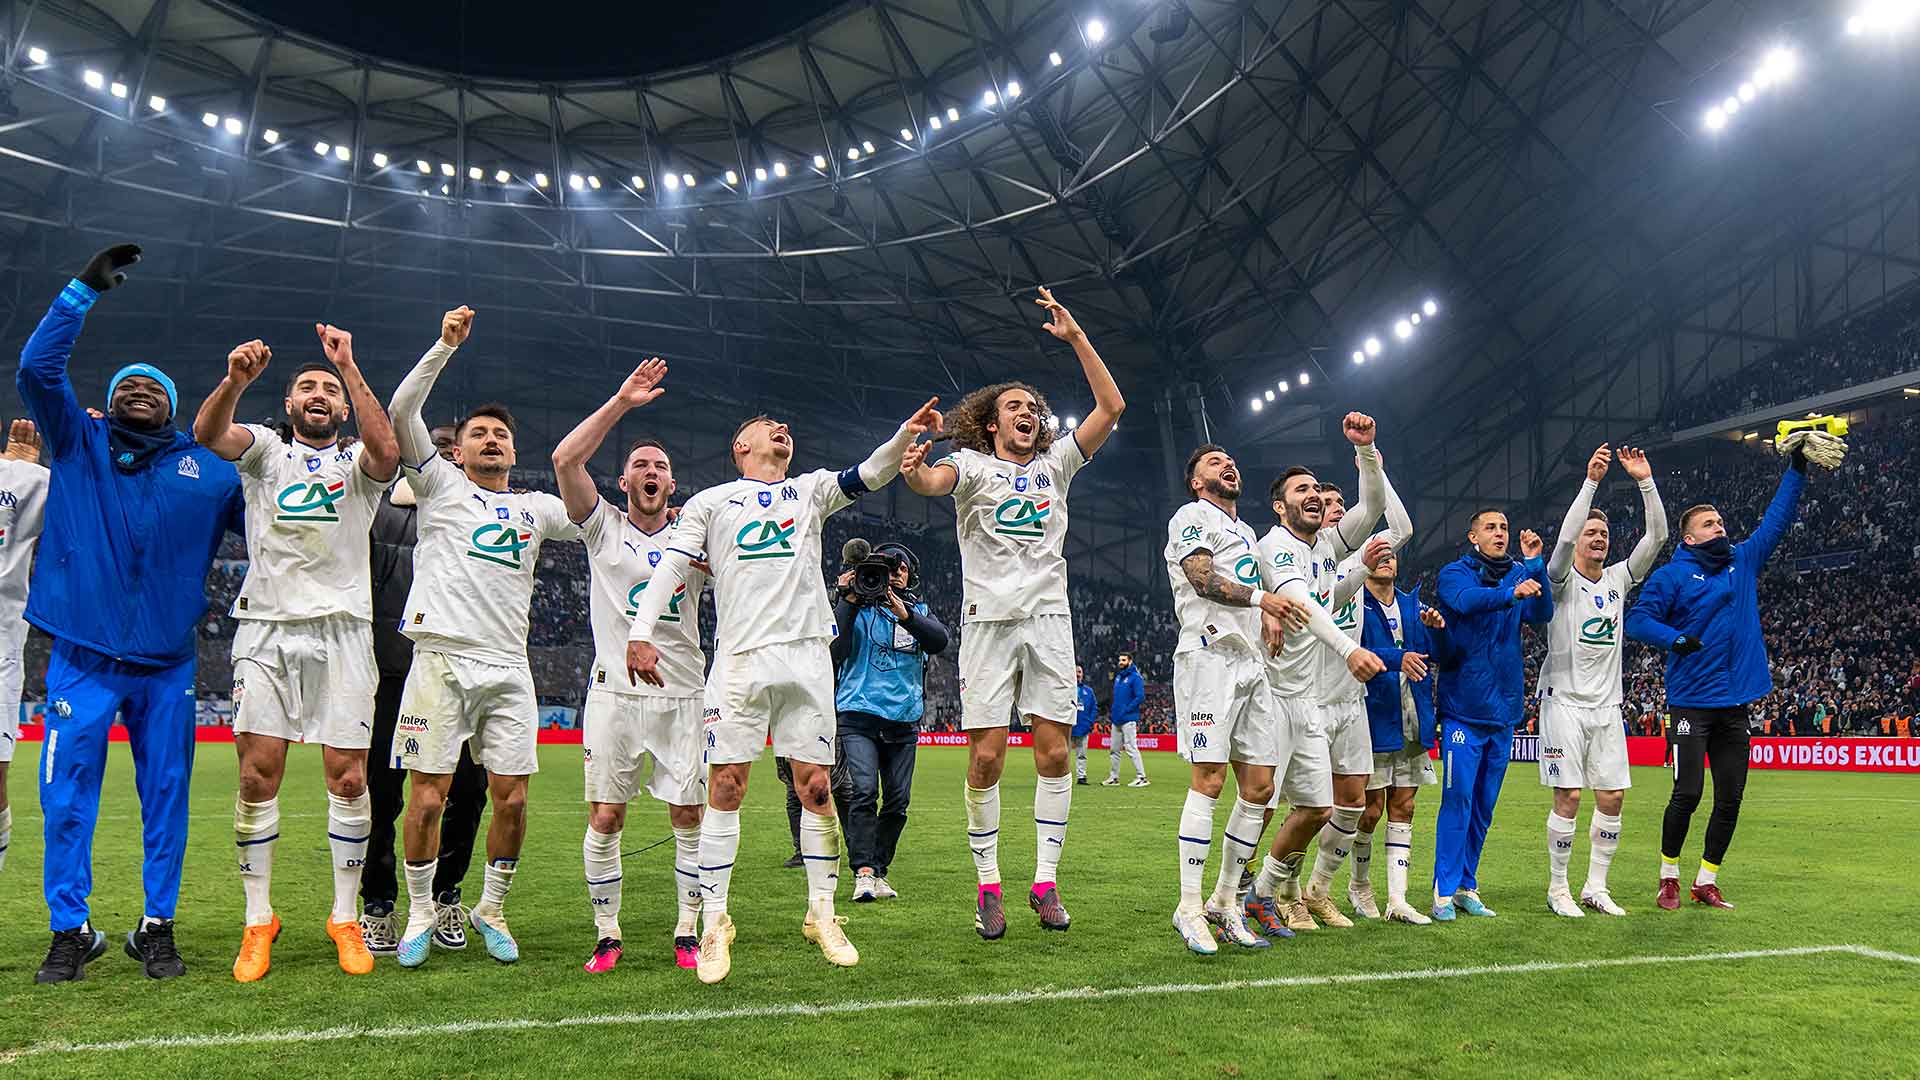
[[779, 170], [1714, 120], [475, 173], [1749, 436], [423, 167], [989, 99], [1785, 63], [157, 103], [446, 189], [1269, 395], [380, 160], [853, 153], [1359, 356], [1910, 390], [93, 79], [760, 174], [1730, 106], [1055, 59], [209, 119], [342, 152], [1284, 387], [1303, 380], [1402, 329], [1013, 90], [36, 55], [233, 125], [1372, 345], [1747, 91], [270, 137], [672, 182], [1074, 421], [953, 115], [1256, 404], [118, 90], [820, 162], [866, 145], [732, 177], [1096, 31], [540, 180], [593, 182], [322, 149], [934, 122], [446, 169], [1414, 318], [576, 181], [687, 179], [906, 134], [1431, 307]]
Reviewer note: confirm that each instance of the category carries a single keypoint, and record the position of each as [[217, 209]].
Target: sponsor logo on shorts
[[710, 714], [412, 725], [1554, 770], [1199, 740], [1552, 753], [411, 748], [1022, 518], [500, 544], [1200, 719], [766, 538], [309, 500]]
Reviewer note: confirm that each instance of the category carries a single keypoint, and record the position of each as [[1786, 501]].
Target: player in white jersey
[[23, 504], [1009, 483], [467, 614], [303, 654], [1220, 696], [635, 736], [1582, 740], [1301, 552], [1345, 704], [760, 536]]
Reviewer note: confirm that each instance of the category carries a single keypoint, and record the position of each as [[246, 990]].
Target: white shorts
[[1582, 748], [13, 671], [1225, 708], [308, 681], [1350, 738], [1307, 777], [785, 688], [451, 699], [1019, 664], [1408, 767], [633, 740]]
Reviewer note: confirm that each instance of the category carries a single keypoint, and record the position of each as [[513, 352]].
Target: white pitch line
[[1015, 997]]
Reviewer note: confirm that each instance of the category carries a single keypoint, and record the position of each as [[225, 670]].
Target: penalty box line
[[1014, 997]]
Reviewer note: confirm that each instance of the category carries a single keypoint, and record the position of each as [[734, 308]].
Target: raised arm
[[379, 455], [1649, 619], [1460, 590], [570, 457], [409, 427], [1399, 528], [887, 459], [1354, 529], [1652, 511], [931, 481], [42, 378], [1780, 513], [213, 426], [1107, 403]]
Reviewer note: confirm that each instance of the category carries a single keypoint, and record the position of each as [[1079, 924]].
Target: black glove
[[1685, 646], [103, 270]]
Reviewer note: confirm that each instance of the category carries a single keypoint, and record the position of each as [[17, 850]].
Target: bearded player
[[642, 735], [1009, 483], [1582, 740], [303, 654]]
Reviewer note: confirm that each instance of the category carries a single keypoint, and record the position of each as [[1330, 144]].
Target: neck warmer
[[1716, 553], [1492, 570], [134, 448]]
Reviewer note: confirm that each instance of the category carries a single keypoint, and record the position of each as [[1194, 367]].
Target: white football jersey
[[308, 512], [473, 564], [1202, 526], [23, 509], [1583, 640], [763, 542], [620, 559], [1284, 557], [1336, 683], [1012, 523]]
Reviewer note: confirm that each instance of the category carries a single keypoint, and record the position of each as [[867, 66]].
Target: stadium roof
[[1227, 194]]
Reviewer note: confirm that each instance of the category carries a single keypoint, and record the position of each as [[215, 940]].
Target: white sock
[[1237, 846], [493, 894], [1286, 883], [1362, 860], [1708, 872], [420, 897], [1268, 879], [1336, 843], [719, 843], [1194, 838], [1669, 868], [6, 833], [1603, 838], [255, 828], [983, 832], [1559, 850], [1399, 857], [349, 827], [600, 855], [686, 880], [820, 850], [1052, 798]]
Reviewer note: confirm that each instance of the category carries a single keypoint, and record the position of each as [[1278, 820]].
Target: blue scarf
[[1716, 554], [133, 448], [1492, 570]]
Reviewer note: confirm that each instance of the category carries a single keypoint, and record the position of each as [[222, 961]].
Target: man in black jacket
[[394, 532]]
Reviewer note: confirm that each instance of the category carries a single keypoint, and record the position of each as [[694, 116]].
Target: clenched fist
[[247, 361]]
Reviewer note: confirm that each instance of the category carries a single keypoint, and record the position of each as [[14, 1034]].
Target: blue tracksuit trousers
[[1475, 763], [85, 691]]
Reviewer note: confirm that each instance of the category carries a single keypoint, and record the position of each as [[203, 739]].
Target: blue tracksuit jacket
[[1085, 711], [1483, 680], [1383, 690], [1129, 690]]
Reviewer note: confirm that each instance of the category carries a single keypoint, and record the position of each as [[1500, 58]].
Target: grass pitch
[[1821, 859]]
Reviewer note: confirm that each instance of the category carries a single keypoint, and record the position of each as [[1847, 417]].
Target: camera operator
[[883, 636]]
